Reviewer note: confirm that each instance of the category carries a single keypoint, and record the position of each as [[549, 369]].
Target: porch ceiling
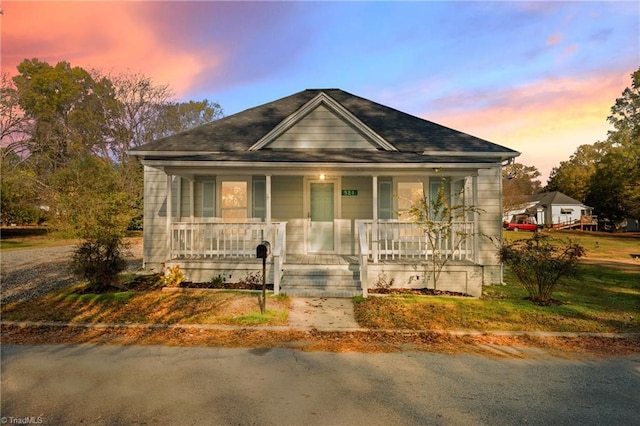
[[322, 156], [305, 162]]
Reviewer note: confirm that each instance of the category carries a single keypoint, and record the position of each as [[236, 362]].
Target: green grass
[[604, 297], [38, 237], [600, 299], [33, 242], [598, 245], [270, 317], [149, 307]]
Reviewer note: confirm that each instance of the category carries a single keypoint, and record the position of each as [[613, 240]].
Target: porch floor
[[342, 259], [306, 259], [321, 259]]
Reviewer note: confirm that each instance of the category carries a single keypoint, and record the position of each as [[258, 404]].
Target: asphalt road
[[124, 385]]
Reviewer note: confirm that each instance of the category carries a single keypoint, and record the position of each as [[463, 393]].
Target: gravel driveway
[[27, 274]]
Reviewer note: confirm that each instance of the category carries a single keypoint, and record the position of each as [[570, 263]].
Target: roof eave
[[504, 155]]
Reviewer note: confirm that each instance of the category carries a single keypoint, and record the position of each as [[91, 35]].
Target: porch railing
[[363, 255], [279, 254], [397, 240], [193, 240]]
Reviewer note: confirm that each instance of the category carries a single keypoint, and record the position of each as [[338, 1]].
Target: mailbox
[[263, 250]]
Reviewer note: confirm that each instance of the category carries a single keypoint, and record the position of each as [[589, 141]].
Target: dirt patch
[[417, 291], [313, 340]]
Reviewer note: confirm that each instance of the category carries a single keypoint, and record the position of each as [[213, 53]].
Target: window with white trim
[[385, 199], [260, 199], [234, 197], [409, 194], [208, 198]]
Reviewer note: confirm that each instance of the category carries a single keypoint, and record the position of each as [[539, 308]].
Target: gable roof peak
[[323, 98]]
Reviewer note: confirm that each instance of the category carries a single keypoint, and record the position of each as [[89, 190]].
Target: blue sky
[[538, 77]]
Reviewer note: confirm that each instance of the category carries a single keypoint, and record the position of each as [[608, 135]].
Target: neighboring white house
[[556, 210], [324, 176]]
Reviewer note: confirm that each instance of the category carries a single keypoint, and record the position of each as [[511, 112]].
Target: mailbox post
[[263, 250]]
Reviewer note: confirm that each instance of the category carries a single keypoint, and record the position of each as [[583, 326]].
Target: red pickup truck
[[526, 224]]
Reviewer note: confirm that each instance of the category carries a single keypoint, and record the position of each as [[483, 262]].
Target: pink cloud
[[111, 36], [545, 120], [554, 39]]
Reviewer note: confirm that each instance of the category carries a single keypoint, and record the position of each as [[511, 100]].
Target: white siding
[[321, 129], [155, 219], [558, 217], [361, 205], [354, 207], [287, 206], [489, 223]]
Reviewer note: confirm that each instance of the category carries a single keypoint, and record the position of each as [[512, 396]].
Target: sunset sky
[[537, 77]]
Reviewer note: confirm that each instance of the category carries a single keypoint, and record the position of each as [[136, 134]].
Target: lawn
[[150, 307], [16, 238], [605, 297]]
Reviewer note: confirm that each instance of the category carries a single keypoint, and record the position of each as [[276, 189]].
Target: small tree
[[440, 222], [540, 262], [90, 203]]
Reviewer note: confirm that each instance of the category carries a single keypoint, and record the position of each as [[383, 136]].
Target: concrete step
[[314, 292], [321, 281]]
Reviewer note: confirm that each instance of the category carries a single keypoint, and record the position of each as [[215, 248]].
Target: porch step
[[321, 281]]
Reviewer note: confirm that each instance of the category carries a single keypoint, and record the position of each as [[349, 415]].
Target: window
[[385, 200], [234, 201], [208, 198], [409, 194], [260, 199]]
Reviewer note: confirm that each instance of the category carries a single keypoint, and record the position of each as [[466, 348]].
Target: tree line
[[65, 133], [604, 175], [64, 128]]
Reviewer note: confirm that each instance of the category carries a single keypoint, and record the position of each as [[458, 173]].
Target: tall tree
[[64, 104], [614, 190], [573, 177], [519, 182], [19, 193], [625, 113], [180, 116], [14, 125], [53, 115]]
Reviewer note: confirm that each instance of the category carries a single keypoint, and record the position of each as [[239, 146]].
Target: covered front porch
[[399, 251]]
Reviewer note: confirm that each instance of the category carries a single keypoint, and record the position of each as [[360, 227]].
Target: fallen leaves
[[373, 341]]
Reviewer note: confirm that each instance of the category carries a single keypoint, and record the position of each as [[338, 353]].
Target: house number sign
[[349, 192]]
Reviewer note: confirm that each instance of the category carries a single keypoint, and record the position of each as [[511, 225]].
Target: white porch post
[[192, 201], [374, 225], [179, 200], [169, 212], [268, 198], [476, 217]]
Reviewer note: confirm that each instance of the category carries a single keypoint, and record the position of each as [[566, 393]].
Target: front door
[[321, 215]]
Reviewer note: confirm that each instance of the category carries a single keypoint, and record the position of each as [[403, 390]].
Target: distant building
[[556, 210]]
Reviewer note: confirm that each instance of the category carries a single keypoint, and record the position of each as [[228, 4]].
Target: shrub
[[540, 262], [383, 282], [173, 276], [253, 280], [217, 282], [100, 260]]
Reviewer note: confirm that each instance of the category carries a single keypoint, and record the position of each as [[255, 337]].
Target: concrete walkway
[[323, 314]]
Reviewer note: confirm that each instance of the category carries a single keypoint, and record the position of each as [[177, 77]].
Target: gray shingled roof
[[238, 132], [554, 198]]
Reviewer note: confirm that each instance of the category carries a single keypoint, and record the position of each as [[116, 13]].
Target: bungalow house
[[557, 210], [324, 176]]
